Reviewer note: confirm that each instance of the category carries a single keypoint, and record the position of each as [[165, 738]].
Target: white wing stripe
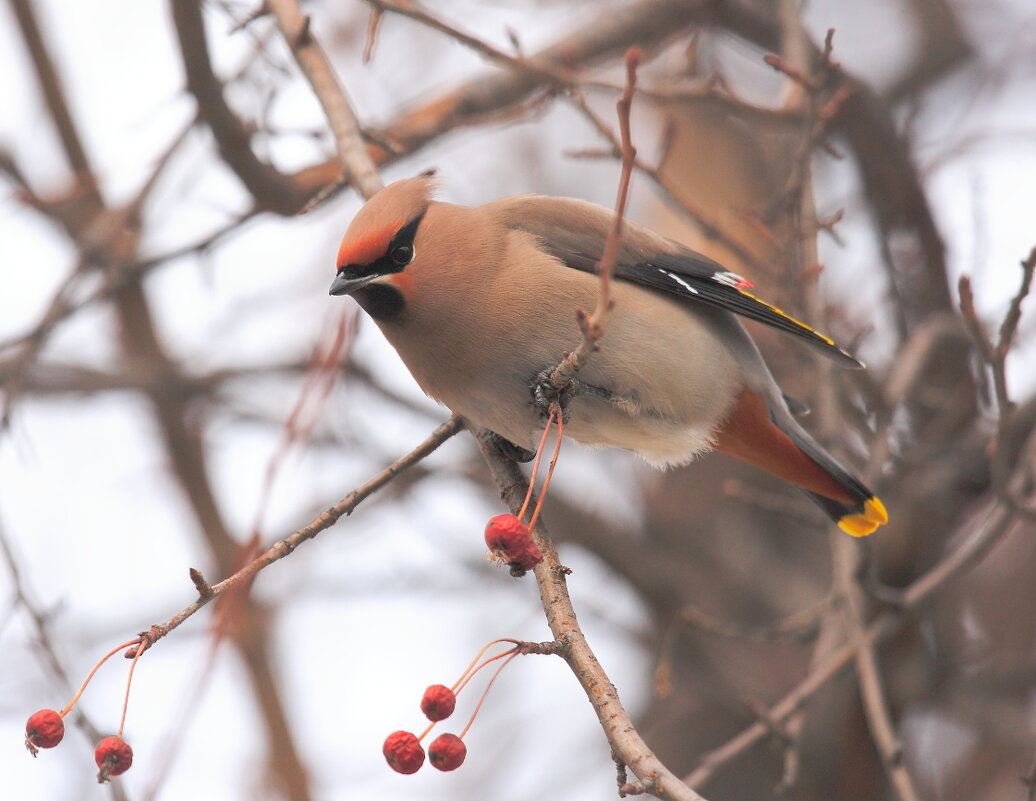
[[681, 282]]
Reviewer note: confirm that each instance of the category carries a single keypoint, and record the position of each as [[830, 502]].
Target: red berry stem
[[90, 675], [427, 729], [555, 415], [485, 692], [459, 682], [129, 681], [536, 466], [471, 675]]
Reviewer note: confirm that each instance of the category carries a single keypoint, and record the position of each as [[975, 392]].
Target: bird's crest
[[371, 231]]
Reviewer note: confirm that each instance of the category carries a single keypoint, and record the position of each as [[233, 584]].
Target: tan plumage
[[479, 300]]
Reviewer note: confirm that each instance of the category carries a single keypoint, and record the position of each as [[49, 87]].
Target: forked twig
[[592, 325]]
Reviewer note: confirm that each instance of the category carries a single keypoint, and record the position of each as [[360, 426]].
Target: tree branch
[[626, 743], [359, 168], [324, 521]]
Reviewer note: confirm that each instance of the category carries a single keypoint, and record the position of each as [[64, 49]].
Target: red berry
[[43, 729], [447, 752], [403, 752], [438, 702], [113, 756], [510, 541]]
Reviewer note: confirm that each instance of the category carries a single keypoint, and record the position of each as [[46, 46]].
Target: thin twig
[[373, 27], [711, 227], [995, 355], [324, 521], [41, 623], [1029, 781], [313, 61], [592, 325], [541, 69]]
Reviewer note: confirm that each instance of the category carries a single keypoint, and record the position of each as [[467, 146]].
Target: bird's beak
[[344, 285]]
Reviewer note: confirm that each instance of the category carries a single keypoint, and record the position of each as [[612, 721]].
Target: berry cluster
[[403, 750], [46, 728]]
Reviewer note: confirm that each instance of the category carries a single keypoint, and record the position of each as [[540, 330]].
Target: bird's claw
[[545, 394]]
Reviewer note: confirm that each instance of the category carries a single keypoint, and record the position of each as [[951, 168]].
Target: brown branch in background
[[1029, 780], [868, 669], [54, 96], [646, 22], [592, 326], [102, 233], [542, 70], [819, 90], [115, 278], [271, 189], [352, 150], [709, 225], [1014, 312], [564, 79], [972, 551], [322, 372], [489, 96], [373, 27], [995, 355]]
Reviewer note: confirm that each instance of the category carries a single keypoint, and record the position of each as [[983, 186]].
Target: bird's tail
[[859, 511], [766, 435]]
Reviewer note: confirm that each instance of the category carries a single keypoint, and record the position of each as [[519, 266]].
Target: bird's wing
[[574, 233], [695, 277]]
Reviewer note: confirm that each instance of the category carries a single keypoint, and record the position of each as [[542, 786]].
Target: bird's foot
[[545, 394], [509, 449]]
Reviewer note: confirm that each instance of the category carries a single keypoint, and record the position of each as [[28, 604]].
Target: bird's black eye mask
[[399, 253]]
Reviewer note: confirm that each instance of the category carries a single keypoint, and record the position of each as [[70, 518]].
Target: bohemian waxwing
[[480, 301]]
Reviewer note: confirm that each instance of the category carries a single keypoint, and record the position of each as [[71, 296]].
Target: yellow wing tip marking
[[800, 323], [860, 524]]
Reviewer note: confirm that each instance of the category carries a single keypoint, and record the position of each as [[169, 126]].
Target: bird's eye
[[402, 254]]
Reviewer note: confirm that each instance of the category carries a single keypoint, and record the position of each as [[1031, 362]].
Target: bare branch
[[271, 189], [324, 521], [626, 743], [352, 150]]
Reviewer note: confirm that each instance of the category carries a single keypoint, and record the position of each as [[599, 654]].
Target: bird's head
[[380, 244]]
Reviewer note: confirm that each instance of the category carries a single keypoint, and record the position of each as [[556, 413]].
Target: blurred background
[[162, 299]]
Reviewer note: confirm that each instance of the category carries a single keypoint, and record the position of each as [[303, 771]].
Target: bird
[[479, 301]]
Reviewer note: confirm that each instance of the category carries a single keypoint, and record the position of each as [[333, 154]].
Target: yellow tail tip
[[874, 509], [860, 524]]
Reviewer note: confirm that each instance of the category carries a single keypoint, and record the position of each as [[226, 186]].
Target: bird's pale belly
[[655, 396], [601, 418]]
